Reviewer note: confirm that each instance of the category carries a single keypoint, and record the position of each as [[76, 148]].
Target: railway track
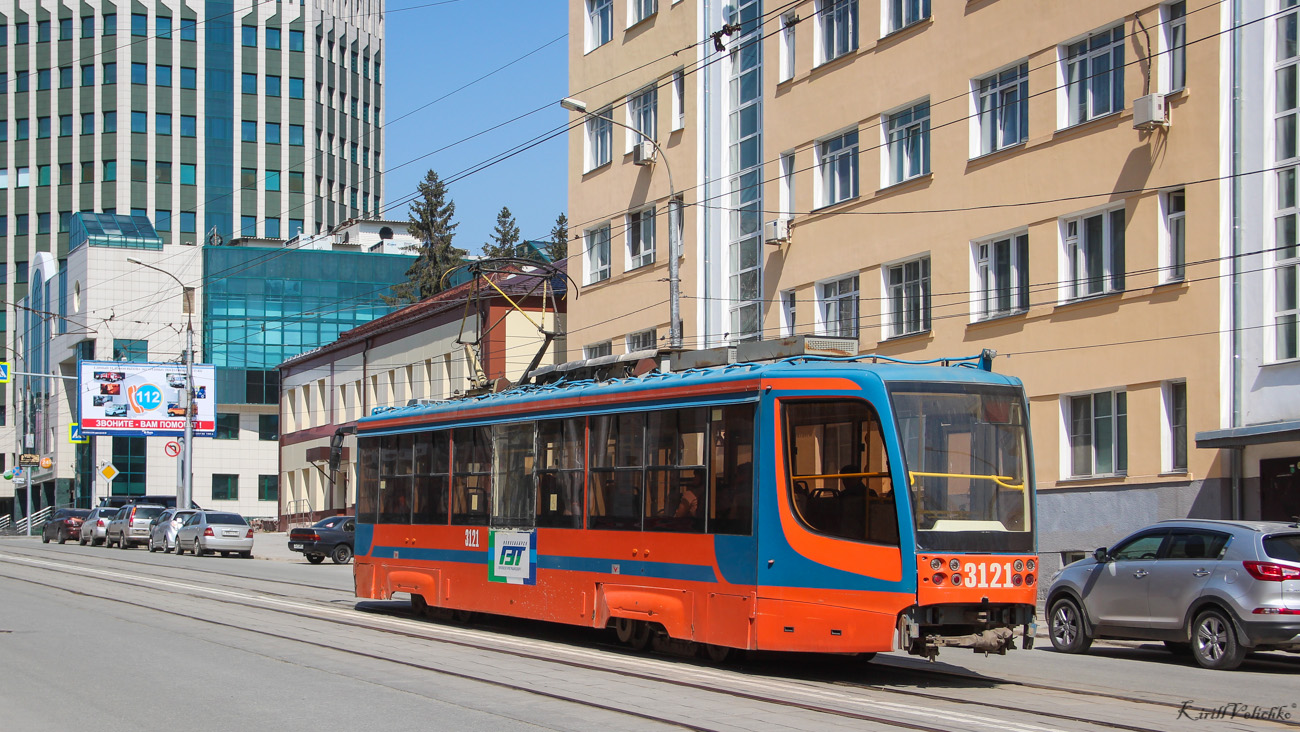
[[850, 702]]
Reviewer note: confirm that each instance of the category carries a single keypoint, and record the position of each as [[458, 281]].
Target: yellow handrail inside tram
[[1001, 480]]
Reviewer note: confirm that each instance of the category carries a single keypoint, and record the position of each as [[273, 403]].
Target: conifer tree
[[505, 237], [558, 247], [431, 222]]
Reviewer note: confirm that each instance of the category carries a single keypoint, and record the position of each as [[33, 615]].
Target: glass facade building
[[262, 306], [190, 114]]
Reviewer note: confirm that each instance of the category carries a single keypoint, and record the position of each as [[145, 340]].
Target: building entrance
[[1279, 482]]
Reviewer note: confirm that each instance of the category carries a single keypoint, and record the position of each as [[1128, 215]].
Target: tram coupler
[[919, 638]]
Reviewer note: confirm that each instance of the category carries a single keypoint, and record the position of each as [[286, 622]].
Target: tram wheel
[[634, 633], [717, 654], [419, 605], [464, 617]]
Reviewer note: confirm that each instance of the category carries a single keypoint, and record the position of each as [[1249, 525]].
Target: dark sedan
[[332, 537], [64, 524]]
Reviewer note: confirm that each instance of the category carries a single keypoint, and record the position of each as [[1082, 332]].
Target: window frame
[[1116, 401], [906, 133], [640, 235], [832, 39], [598, 24], [1080, 87], [1173, 235], [1174, 433], [599, 139], [903, 14], [841, 296], [992, 109], [993, 282], [639, 11], [905, 297], [642, 112], [1076, 257], [596, 244], [836, 158], [1173, 73]]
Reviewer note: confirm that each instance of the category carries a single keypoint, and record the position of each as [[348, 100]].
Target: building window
[[1098, 434], [639, 10], [838, 168], [1175, 235], [139, 24], [65, 77], [599, 134], [642, 109], [596, 242], [296, 135], [140, 171], [189, 174], [225, 487], [88, 26], [1002, 270], [65, 125], [248, 83], [42, 127], [42, 31], [110, 170], [908, 288], [272, 225], [600, 23], [139, 73], [838, 305], [903, 13], [163, 75], [189, 126], [249, 36], [837, 24], [140, 122], [272, 180], [227, 427], [189, 30], [88, 75], [273, 38], [644, 341], [789, 312], [908, 133], [163, 26], [189, 221], [641, 238], [1176, 42], [1003, 103], [248, 131], [596, 350], [189, 77], [297, 182], [110, 73], [163, 220], [248, 226], [110, 122], [1176, 426], [268, 427], [272, 86], [296, 40], [130, 350], [1094, 76], [130, 457], [679, 100], [1094, 254], [786, 51], [248, 178], [296, 88], [268, 488]]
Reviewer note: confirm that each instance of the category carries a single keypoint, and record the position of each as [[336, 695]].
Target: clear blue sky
[[432, 51]]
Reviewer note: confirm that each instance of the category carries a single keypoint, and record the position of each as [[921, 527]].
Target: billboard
[[143, 399]]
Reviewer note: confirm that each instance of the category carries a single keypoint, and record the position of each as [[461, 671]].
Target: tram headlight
[[936, 563], [1017, 580], [937, 579], [955, 564], [1031, 565], [1020, 566]]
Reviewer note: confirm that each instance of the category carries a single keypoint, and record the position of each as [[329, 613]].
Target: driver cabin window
[[839, 470]]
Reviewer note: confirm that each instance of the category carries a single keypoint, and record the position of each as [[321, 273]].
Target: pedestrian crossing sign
[[4, 372], [75, 436]]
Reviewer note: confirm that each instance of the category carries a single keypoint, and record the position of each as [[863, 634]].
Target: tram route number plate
[[987, 574]]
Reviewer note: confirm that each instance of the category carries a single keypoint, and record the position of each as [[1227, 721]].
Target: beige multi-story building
[[1054, 181]]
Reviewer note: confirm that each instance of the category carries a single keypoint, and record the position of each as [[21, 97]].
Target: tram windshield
[[967, 454]]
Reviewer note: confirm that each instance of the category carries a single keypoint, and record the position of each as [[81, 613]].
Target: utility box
[[1150, 112]]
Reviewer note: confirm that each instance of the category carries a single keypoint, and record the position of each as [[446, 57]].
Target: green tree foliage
[[558, 247], [431, 222], [505, 237]]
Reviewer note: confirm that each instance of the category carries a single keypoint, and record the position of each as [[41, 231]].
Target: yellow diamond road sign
[[109, 472]]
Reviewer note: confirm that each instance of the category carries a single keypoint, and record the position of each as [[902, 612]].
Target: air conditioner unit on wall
[[1149, 112], [775, 232], [643, 153]]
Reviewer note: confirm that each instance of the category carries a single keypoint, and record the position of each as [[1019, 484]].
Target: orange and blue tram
[[811, 504]]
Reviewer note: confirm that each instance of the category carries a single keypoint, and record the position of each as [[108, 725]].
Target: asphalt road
[[124, 640]]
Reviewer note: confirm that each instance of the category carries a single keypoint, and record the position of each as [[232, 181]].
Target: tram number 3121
[[471, 538], [988, 575]]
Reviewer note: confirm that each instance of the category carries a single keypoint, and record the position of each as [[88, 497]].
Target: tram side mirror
[[1101, 555]]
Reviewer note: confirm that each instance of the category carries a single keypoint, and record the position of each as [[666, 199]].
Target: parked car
[[95, 527], [333, 537], [162, 530], [64, 524], [130, 525], [215, 531], [1214, 589]]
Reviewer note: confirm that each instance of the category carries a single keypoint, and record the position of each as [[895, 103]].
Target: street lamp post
[[674, 281], [186, 495]]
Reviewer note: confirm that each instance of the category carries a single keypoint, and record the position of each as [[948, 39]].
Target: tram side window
[[512, 474], [432, 455], [396, 479], [731, 469], [676, 489], [471, 486], [368, 485], [560, 446], [839, 470], [617, 457]]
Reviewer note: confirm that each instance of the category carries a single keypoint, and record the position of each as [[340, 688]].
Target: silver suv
[[131, 525], [1215, 589]]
